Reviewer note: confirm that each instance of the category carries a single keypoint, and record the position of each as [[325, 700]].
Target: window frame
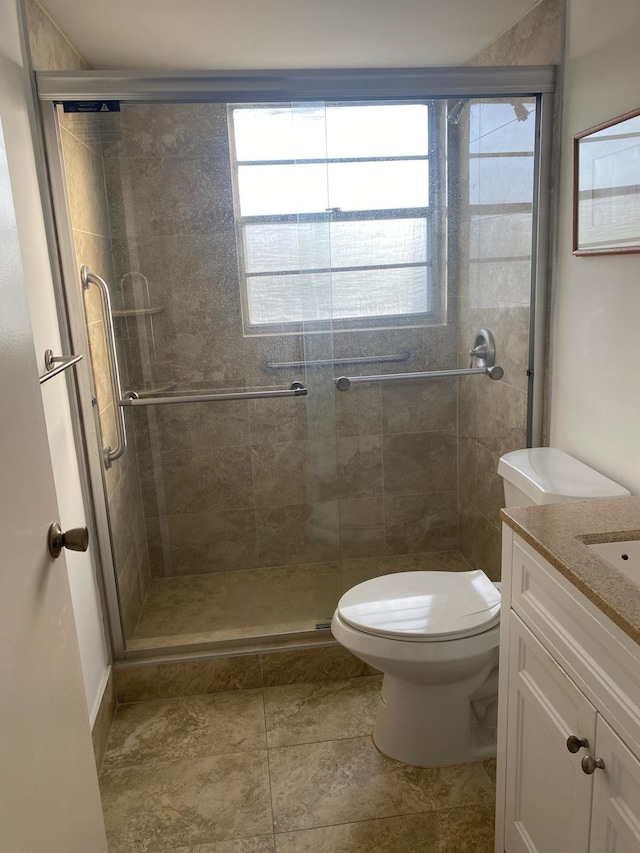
[[434, 216]]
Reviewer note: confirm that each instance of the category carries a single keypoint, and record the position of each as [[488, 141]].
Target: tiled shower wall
[[82, 149], [295, 481], [496, 296]]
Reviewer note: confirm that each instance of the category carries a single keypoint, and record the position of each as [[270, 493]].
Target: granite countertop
[[561, 533]]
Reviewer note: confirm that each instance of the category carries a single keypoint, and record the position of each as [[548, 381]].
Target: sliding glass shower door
[[280, 275]]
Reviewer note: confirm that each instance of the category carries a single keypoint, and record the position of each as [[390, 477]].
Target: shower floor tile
[[237, 605], [240, 605], [192, 775]]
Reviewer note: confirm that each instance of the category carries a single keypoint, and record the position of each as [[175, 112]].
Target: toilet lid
[[423, 605]]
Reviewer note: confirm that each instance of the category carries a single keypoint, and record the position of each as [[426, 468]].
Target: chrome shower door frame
[[269, 86]]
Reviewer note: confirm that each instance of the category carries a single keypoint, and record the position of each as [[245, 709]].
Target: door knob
[[575, 743], [591, 764], [76, 539]]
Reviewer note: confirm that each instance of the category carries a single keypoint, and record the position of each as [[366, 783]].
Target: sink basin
[[623, 556]]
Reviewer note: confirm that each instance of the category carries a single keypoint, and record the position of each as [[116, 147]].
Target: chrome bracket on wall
[[63, 362]]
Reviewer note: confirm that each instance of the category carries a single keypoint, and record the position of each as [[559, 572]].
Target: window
[[335, 208]]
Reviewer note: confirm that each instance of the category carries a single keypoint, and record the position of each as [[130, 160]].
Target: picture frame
[[606, 187]]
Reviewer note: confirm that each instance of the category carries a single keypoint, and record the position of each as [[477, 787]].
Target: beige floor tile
[[187, 802], [306, 713], [407, 834], [194, 727], [242, 845], [218, 603], [465, 830], [349, 780]]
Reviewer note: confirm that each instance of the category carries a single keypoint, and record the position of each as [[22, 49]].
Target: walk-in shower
[[278, 280]]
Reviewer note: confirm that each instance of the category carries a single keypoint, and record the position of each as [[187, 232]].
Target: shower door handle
[[88, 278]]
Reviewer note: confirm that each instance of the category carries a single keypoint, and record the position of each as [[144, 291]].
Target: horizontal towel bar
[[271, 366], [345, 382], [131, 399], [63, 361]]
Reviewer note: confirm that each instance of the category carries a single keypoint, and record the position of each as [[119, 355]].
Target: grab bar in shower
[[401, 357], [88, 278], [345, 382], [131, 398], [483, 351], [63, 361]]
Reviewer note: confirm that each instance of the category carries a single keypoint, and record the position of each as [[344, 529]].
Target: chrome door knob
[[591, 764], [575, 743], [76, 539]]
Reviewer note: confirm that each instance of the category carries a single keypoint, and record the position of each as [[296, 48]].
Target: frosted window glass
[[281, 190], [378, 130], [294, 132], [338, 296], [302, 132], [379, 186], [275, 246], [313, 188]]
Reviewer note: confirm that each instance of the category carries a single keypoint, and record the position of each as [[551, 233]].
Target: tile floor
[[289, 769]]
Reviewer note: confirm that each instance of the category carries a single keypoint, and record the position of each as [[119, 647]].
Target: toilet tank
[[546, 475]]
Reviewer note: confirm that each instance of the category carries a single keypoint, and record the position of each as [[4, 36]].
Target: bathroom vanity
[[569, 721]]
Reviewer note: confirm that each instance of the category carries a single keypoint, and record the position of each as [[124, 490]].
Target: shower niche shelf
[[149, 311]]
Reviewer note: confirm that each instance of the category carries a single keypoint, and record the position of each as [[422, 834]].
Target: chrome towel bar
[[63, 361], [272, 366], [131, 398], [88, 278], [345, 382], [483, 353]]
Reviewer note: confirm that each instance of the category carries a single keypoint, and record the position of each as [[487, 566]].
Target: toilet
[[435, 635]]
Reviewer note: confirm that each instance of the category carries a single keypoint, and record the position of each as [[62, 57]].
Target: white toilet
[[435, 635]]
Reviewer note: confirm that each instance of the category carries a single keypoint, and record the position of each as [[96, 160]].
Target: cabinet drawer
[[600, 658]]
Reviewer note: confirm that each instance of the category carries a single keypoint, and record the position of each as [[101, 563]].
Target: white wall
[[595, 374], [20, 154]]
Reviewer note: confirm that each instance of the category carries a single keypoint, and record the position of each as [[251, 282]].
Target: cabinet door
[[615, 821], [548, 802]]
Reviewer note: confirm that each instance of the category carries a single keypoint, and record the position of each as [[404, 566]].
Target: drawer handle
[[575, 743], [591, 764]]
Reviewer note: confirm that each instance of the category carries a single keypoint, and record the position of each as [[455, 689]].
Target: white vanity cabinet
[[566, 671]]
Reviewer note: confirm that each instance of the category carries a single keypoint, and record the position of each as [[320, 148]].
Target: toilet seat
[[422, 606]]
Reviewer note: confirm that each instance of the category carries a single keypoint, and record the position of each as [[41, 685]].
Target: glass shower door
[[223, 511], [249, 247]]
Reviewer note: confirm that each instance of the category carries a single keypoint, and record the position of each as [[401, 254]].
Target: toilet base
[[435, 725]]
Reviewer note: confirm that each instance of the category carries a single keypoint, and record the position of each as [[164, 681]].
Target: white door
[[548, 801], [49, 799], [615, 820]]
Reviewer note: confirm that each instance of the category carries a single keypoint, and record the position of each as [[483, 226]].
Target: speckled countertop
[[561, 533]]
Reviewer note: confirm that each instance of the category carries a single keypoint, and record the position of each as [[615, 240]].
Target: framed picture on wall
[[606, 200]]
